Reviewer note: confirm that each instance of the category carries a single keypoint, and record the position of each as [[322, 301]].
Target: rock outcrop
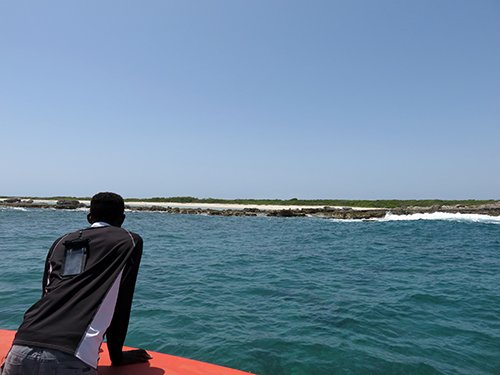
[[68, 204], [12, 200]]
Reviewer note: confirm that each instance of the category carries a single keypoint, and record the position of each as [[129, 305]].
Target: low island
[[335, 209]]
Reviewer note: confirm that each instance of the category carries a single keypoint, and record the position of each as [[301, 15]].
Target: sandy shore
[[212, 206]]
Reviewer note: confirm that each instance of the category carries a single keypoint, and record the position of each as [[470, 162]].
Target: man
[[87, 291]]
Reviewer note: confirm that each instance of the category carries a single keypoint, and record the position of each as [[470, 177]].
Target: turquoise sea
[[294, 295]]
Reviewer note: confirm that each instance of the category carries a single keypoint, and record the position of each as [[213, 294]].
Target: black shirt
[[76, 311]]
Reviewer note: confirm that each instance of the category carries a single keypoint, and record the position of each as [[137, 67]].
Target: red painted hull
[[160, 364]]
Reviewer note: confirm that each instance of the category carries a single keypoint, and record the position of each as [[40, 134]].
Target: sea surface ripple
[[293, 296]]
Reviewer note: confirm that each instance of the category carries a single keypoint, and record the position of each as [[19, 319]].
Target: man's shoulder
[[137, 238], [119, 231], [111, 233], [65, 236]]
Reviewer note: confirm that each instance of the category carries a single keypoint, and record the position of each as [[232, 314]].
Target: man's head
[[107, 207]]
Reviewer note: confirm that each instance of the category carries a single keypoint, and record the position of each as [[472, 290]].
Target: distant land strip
[[379, 203], [335, 209]]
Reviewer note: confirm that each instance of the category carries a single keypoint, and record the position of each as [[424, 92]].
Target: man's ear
[[118, 221], [89, 218]]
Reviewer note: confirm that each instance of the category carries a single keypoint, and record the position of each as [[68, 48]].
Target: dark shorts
[[28, 360]]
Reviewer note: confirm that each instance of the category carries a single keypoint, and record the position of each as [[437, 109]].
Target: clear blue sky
[[251, 99]]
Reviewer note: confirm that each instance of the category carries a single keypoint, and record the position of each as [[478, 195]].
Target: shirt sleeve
[[119, 324], [46, 271]]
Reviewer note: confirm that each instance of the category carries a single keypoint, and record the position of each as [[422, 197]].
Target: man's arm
[[119, 324], [45, 278]]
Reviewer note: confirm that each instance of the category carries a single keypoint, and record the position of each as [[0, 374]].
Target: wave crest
[[13, 209], [443, 216]]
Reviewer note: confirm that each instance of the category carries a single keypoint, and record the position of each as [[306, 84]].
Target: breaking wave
[[13, 208], [446, 216], [443, 216]]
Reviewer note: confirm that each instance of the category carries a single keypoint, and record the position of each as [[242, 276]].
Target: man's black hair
[[107, 207]]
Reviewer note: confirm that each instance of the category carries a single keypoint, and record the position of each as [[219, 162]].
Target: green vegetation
[[392, 203]]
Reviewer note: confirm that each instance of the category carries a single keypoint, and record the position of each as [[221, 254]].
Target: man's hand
[[133, 356]]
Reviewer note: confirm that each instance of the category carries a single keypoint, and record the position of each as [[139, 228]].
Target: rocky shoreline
[[492, 209]]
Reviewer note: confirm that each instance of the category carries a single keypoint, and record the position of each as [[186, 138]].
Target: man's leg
[[20, 360], [23, 360], [68, 364]]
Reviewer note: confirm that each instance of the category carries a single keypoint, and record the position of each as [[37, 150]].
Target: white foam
[[351, 220], [475, 218], [14, 208], [443, 216]]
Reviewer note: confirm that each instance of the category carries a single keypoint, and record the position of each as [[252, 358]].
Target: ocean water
[[294, 295]]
